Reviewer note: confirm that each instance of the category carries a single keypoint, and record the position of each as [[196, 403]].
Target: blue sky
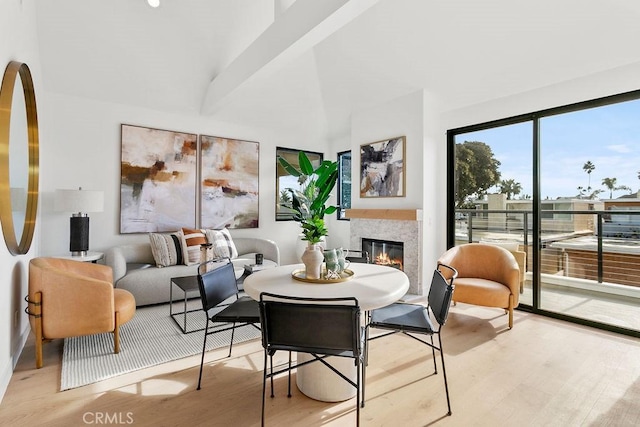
[[607, 136]]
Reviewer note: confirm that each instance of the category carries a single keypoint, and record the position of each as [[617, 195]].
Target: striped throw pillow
[[223, 245], [194, 239], [168, 248]]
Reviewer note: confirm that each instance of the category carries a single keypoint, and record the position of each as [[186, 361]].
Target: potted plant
[[309, 204]]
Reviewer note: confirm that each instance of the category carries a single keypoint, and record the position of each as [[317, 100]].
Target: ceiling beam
[[303, 25]]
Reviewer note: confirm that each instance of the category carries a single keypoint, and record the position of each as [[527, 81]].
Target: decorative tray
[[301, 275]]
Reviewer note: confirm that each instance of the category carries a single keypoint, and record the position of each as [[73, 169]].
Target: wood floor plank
[[544, 372]]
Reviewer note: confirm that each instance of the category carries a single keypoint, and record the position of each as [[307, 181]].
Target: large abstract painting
[[158, 180], [229, 183], [382, 171]]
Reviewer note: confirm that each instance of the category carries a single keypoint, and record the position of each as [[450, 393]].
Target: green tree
[[610, 183], [476, 170], [588, 168], [510, 187]]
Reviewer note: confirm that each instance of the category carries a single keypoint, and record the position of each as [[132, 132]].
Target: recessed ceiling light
[[154, 3]]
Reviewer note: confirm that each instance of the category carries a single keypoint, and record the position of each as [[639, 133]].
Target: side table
[[89, 257], [187, 284]]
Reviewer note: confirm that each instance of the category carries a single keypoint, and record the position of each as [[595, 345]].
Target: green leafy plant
[[309, 204]]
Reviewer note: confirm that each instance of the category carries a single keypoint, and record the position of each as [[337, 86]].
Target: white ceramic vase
[[312, 259]]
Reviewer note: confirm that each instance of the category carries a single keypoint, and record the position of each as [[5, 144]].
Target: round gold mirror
[[19, 161]]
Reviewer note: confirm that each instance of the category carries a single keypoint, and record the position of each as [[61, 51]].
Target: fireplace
[[394, 225], [384, 252]]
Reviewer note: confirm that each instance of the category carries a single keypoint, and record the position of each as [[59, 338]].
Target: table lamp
[[79, 202]]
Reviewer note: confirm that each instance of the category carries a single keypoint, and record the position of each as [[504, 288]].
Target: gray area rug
[[149, 339]]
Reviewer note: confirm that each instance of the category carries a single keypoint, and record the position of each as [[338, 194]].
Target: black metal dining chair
[[217, 285], [411, 319], [320, 327]]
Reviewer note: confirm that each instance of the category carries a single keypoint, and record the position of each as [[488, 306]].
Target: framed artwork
[[344, 184], [228, 183], [382, 171], [284, 180], [158, 173]]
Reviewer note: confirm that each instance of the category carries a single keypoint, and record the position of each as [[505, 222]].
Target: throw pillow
[[168, 248], [222, 242], [194, 239]]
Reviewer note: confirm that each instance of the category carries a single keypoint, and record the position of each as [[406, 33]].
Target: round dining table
[[373, 285]]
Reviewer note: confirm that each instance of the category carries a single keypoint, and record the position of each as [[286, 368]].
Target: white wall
[[434, 198], [398, 117], [610, 82], [17, 43], [415, 116], [86, 152]]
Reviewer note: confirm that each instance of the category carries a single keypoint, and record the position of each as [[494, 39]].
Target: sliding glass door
[[494, 189], [590, 230], [562, 185]]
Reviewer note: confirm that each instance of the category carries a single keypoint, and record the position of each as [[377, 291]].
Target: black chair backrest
[[217, 285], [320, 325], [441, 293]]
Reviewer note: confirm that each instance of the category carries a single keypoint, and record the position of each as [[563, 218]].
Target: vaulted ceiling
[[313, 64]]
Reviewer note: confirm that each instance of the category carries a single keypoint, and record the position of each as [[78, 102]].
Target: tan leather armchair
[[488, 275], [520, 256], [71, 298]]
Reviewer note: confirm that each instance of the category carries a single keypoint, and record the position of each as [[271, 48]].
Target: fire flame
[[384, 259]]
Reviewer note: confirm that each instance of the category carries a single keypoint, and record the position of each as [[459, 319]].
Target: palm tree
[[610, 183], [510, 188], [588, 168]]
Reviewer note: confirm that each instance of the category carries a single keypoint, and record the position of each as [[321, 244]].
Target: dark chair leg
[[204, 347], [444, 374], [364, 364], [271, 364], [358, 391], [233, 330], [264, 385], [433, 352], [289, 391]]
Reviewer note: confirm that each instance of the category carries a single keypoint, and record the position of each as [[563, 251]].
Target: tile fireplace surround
[[398, 225]]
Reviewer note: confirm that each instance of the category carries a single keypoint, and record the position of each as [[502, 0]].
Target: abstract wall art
[[158, 178], [382, 170], [229, 183]]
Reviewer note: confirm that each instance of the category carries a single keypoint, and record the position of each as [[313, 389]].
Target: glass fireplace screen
[[384, 252]]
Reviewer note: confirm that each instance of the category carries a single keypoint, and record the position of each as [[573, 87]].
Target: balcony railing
[[598, 246]]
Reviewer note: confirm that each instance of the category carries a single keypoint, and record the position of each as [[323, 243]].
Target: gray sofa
[[134, 268]]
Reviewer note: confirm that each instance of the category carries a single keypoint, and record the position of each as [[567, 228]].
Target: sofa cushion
[[223, 246], [168, 248], [194, 238]]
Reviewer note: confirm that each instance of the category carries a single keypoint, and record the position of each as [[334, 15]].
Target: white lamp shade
[[79, 201]]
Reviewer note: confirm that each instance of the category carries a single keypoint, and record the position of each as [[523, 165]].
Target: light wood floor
[[544, 372]]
